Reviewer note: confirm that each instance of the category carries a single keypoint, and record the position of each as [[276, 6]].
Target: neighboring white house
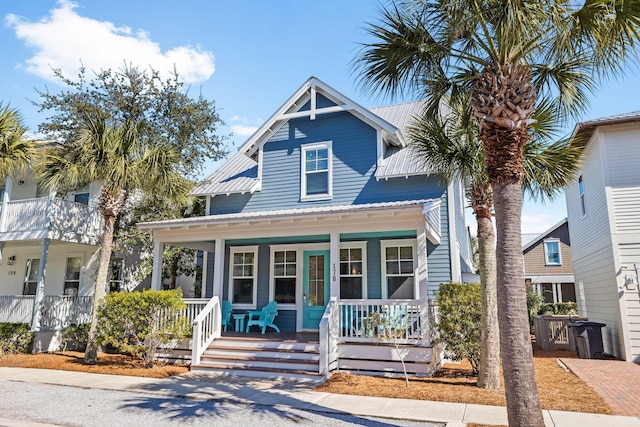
[[48, 243], [603, 206]]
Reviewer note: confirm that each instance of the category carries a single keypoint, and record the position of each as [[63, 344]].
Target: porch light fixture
[[11, 260], [630, 282]]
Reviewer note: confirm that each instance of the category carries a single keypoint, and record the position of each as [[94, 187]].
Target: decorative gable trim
[[309, 91]]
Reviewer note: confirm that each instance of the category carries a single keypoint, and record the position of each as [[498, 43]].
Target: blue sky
[[247, 55]]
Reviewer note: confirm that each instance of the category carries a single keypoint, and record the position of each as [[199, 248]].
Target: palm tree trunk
[[100, 290], [523, 403], [489, 369]]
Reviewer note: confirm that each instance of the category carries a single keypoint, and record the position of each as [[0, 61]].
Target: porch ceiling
[[390, 216]]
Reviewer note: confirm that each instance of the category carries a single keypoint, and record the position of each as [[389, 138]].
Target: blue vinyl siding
[[354, 159], [462, 234], [321, 102], [438, 256]]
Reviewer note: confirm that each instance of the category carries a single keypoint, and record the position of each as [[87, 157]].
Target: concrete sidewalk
[[299, 395]]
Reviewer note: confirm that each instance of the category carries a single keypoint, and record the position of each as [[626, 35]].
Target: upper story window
[[552, 252], [243, 276], [583, 203], [398, 269], [316, 176], [352, 271]]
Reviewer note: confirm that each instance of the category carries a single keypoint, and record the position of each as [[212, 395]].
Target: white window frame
[[303, 173], [298, 276], [243, 249], [582, 200], [27, 269], [120, 281], [546, 256], [73, 255], [362, 246], [384, 244]]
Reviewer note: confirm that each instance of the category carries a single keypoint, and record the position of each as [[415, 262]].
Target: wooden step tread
[[254, 368], [273, 338], [221, 346], [259, 359]]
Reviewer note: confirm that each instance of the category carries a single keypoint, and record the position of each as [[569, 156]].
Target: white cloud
[[242, 130], [242, 127], [65, 39]]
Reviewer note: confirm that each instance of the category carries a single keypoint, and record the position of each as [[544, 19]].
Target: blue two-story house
[[327, 202]]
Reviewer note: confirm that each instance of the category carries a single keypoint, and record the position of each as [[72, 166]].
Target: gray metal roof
[[528, 238], [399, 115], [400, 161], [239, 174], [275, 214]]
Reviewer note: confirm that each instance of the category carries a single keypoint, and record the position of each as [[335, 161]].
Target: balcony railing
[[62, 217]]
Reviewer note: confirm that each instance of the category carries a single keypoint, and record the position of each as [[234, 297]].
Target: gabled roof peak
[[308, 92]]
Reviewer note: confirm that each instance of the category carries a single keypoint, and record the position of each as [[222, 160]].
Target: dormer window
[[552, 252], [316, 182]]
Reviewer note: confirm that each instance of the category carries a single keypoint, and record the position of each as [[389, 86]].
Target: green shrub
[[139, 322], [459, 314], [75, 337], [534, 303], [560, 308], [15, 338]]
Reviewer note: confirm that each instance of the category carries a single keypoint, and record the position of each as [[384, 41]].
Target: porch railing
[[16, 309], [207, 326], [365, 320], [62, 311], [329, 335], [58, 311]]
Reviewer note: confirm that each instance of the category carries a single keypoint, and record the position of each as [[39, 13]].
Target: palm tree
[[504, 55], [16, 152], [450, 147], [116, 157]]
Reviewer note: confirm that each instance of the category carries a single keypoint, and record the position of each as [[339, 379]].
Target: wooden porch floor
[[302, 337]]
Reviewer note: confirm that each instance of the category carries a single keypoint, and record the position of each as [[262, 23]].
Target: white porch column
[[218, 268], [422, 277], [334, 267], [42, 271], [5, 204], [156, 272], [205, 271]]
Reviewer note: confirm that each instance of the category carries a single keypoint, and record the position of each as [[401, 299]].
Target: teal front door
[[315, 287]]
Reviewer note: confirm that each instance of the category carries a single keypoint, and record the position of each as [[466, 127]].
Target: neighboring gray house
[[603, 206], [548, 265]]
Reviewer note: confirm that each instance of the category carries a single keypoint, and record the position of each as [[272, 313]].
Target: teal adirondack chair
[[227, 309], [264, 317]]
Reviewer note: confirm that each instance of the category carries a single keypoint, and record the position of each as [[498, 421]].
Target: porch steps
[[261, 357]]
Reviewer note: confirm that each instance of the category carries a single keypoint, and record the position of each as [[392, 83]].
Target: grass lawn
[[559, 389]]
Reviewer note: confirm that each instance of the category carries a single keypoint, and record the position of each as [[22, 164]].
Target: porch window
[[81, 198], [244, 275], [352, 272], [72, 276], [398, 269], [552, 252], [316, 171], [284, 277], [116, 283], [31, 275]]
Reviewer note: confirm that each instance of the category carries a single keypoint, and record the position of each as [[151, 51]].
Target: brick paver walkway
[[617, 382]]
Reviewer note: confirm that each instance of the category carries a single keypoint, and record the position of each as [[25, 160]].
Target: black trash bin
[[588, 339]]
